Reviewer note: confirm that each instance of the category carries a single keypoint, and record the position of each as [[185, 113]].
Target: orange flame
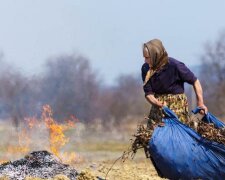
[[56, 132], [57, 138], [24, 143]]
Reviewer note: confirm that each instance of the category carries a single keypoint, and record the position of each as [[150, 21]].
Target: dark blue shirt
[[168, 80]]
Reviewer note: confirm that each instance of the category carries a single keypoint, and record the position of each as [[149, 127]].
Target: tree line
[[72, 87]]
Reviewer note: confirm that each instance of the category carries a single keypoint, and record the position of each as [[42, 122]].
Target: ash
[[40, 164]]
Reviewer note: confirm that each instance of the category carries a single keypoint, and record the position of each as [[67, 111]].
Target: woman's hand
[[164, 104], [204, 109], [150, 98]]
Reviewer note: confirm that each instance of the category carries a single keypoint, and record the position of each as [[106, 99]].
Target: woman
[[164, 79]]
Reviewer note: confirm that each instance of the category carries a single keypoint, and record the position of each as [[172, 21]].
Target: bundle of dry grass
[[142, 137], [207, 130]]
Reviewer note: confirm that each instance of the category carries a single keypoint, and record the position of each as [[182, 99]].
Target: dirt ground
[[99, 150], [96, 150], [137, 169]]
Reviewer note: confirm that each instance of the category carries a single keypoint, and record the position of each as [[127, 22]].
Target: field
[[99, 156], [95, 150]]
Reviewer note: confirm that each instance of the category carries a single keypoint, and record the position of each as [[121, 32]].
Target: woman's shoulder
[[174, 62]]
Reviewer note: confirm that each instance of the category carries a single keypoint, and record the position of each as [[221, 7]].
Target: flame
[[24, 143], [32, 122], [17, 149], [56, 135], [69, 157]]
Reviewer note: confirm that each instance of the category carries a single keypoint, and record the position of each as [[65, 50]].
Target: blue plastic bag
[[179, 152], [209, 118]]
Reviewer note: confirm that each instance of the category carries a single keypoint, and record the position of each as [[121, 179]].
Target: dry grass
[[96, 152]]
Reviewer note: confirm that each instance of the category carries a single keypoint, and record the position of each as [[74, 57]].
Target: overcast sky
[[109, 33]]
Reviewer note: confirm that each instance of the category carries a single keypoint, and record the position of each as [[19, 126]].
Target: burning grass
[[94, 150], [39, 134], [97, 156]]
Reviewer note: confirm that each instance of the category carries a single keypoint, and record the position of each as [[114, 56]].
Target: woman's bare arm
[[199, 95], [151, 99]]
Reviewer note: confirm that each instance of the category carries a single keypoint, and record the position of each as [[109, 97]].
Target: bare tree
[[14, 91], [126, 98], [213, 75], [70, 86]]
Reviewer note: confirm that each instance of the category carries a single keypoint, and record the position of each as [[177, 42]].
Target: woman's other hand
[[204, 109]]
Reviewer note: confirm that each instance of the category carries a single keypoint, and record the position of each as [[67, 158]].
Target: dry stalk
[[207, 130]]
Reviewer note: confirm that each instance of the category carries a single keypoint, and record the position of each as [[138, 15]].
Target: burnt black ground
[[40, 164]]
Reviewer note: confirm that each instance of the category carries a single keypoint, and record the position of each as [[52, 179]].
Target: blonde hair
[[145, 50], [158, 55]]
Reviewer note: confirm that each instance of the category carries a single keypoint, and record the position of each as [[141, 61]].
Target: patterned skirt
[[176, 102]]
